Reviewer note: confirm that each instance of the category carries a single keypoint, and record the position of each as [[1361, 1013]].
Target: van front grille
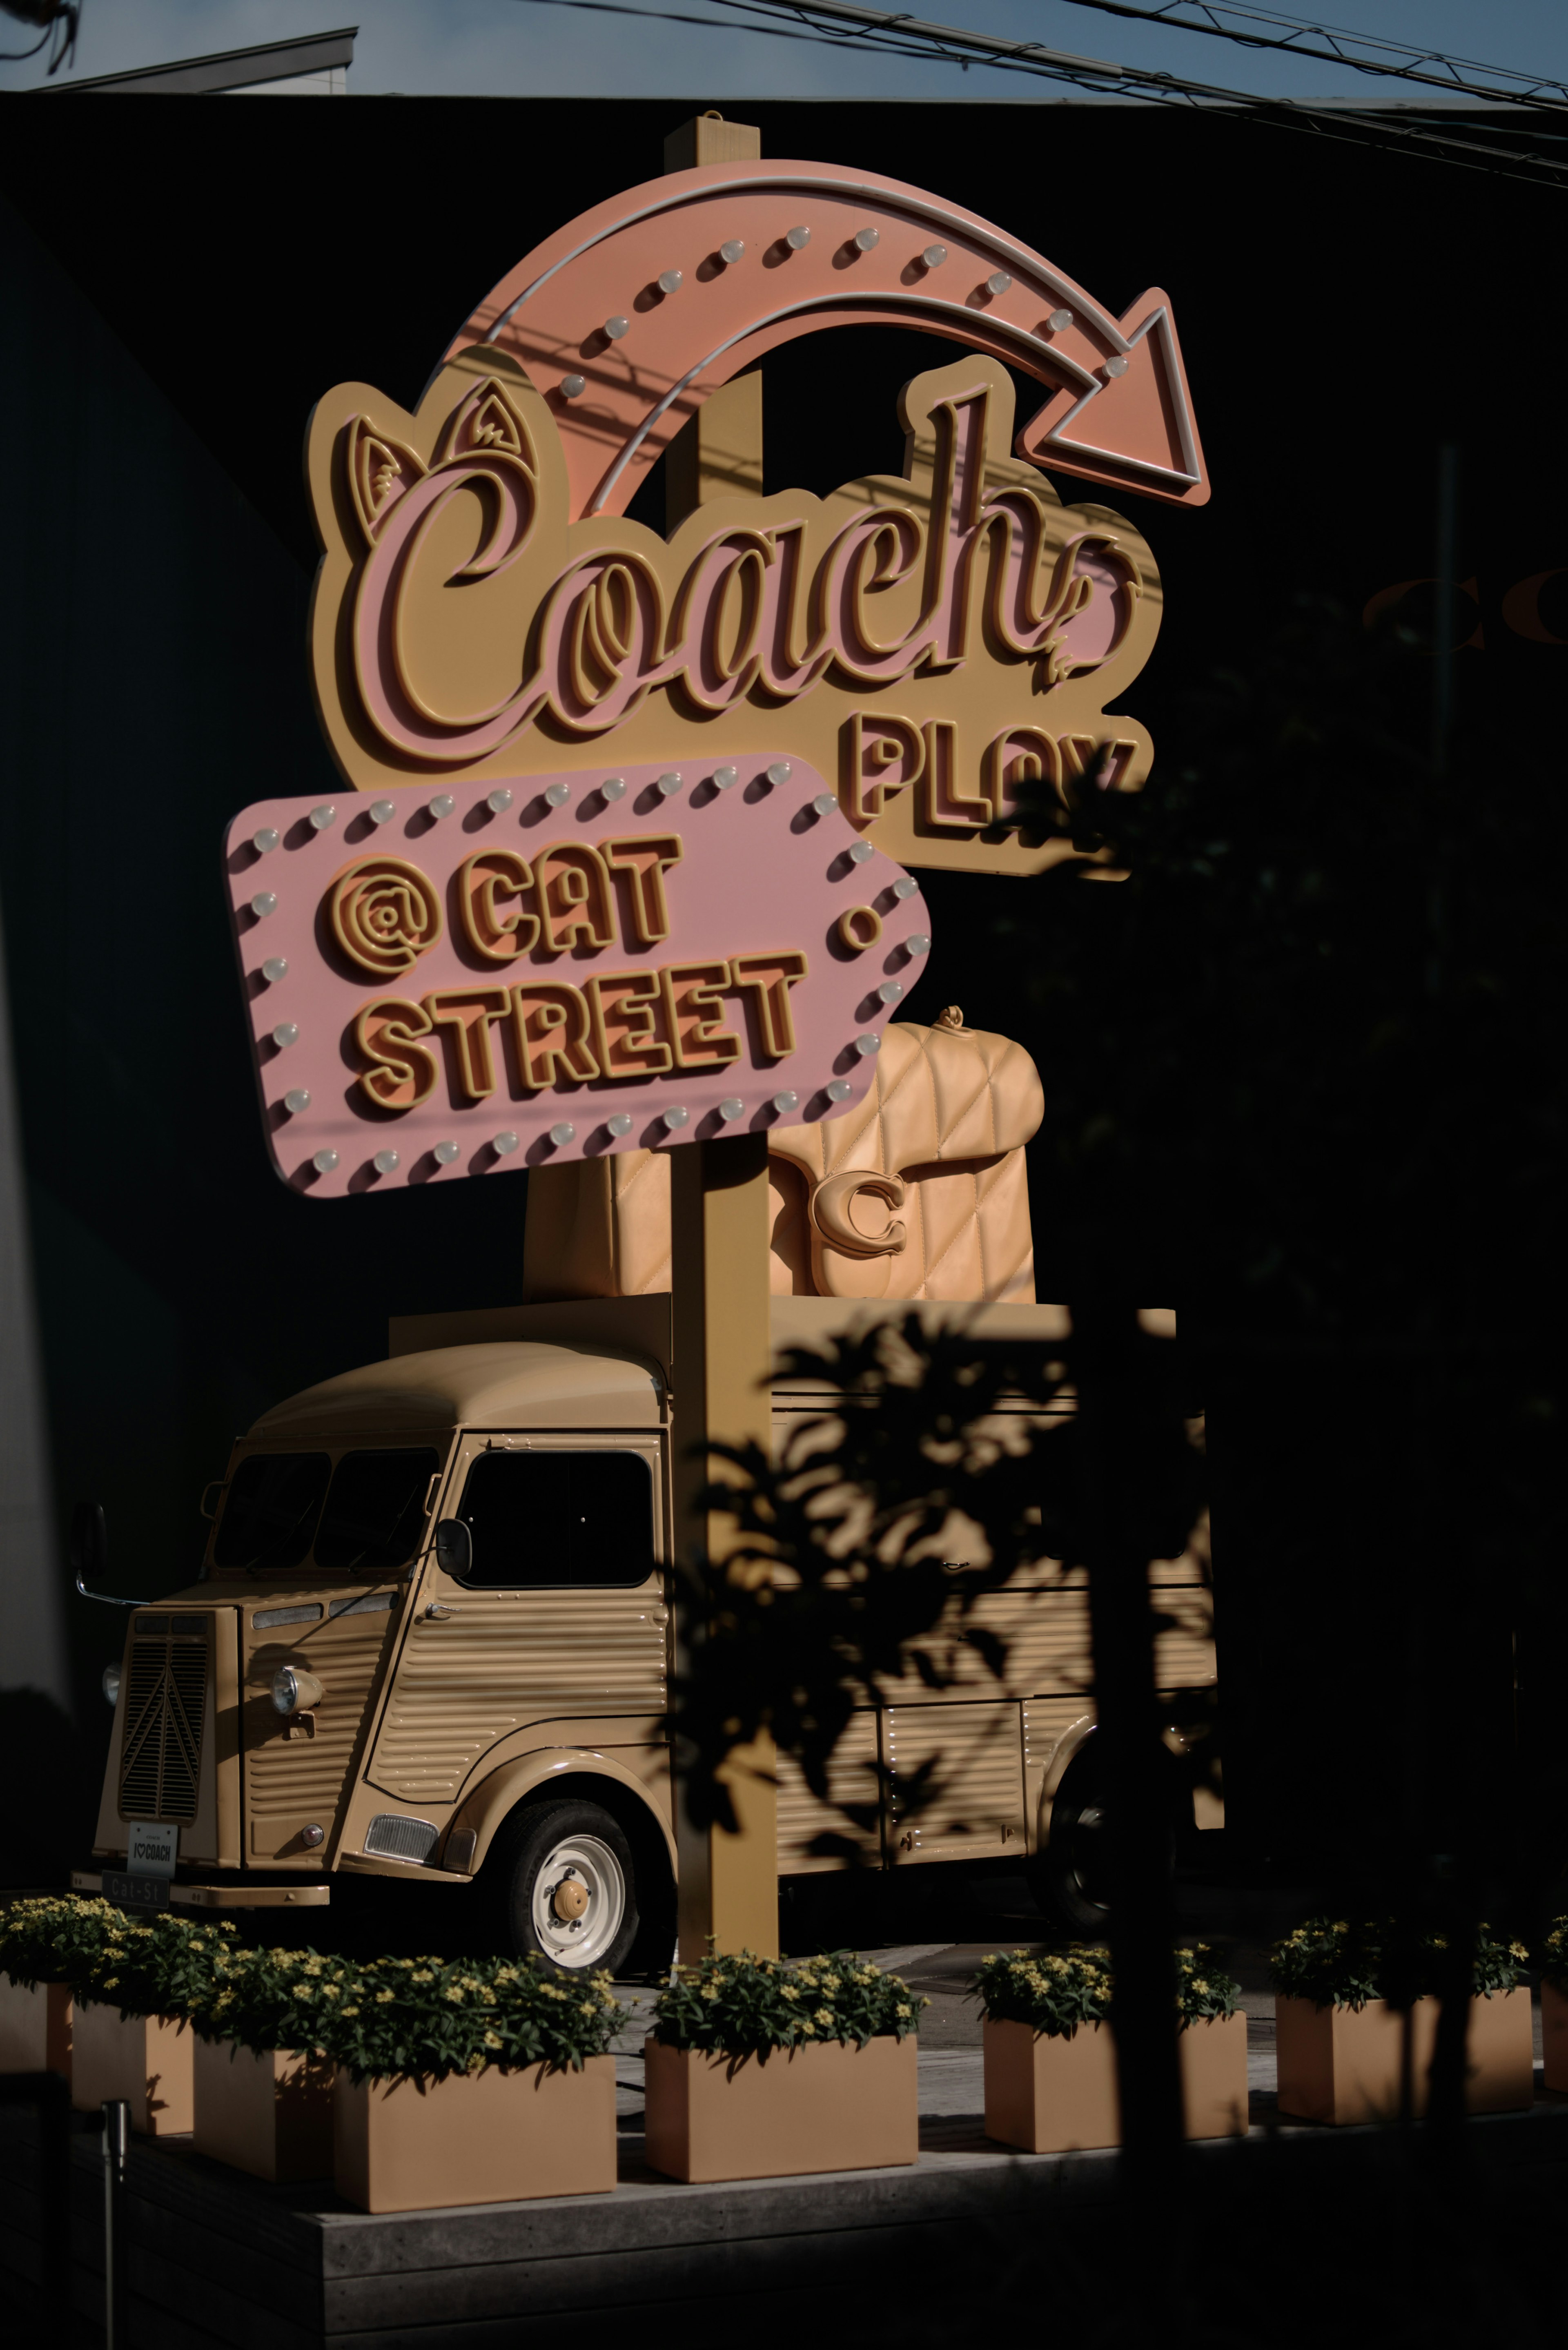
[[165, 1701]]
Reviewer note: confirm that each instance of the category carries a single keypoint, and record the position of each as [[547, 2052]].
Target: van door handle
[[436, 1614]]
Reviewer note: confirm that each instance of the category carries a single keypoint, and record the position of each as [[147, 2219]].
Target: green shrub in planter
[[269, 2000], [1058, 1991], [53, 1938], [162, 1967], [427, 2018], [747, 2006], [1336, 1963], [1554, 1955]]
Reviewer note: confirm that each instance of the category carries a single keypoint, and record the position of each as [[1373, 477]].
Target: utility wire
[[904, 36], [1297, 37]]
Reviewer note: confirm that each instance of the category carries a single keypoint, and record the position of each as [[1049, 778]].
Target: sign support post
[[718, 1214]]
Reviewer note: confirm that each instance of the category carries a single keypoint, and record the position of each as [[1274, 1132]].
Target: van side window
[[559, 1520], [270, 1513]]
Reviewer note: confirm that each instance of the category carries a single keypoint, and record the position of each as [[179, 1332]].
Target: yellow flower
[[825, 2015], [589, 2008], [493, 2039], [808, 2028], [384, 1999], [302, 1991], [346, 2011], [1517, 1950], [903, 2009], [1200, 1986], [423, 1975], [452, 1994]]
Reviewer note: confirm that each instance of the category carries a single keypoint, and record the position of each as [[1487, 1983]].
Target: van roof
[[505, 1383]]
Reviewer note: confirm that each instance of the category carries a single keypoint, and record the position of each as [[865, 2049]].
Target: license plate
[[135, 1892]]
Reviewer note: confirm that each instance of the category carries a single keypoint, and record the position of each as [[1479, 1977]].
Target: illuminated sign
[[930, 641], [478, 976]]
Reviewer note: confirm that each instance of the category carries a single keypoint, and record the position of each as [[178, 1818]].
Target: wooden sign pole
[[719, 1204]]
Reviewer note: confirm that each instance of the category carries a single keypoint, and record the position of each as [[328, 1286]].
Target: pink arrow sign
[[451, 983], [628, 317]]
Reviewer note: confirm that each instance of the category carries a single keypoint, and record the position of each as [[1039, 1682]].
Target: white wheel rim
[[585, 1862]]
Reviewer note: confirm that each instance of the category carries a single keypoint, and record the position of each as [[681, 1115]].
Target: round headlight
[[285, 1689], [111, 1683]]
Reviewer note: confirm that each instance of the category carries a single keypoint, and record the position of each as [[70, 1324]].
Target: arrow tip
[[1133, 428]]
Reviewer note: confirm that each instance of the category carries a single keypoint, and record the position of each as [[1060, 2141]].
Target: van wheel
[[566, 1885], [1068, 1878]]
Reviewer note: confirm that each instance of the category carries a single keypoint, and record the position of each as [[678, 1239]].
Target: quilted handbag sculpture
[[920, 1191]]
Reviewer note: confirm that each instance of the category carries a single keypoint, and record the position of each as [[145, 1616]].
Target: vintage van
[[431, 1640]]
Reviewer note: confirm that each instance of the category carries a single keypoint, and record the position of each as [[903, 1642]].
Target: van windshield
[[375, 1511], [269, 1518], [363, 1517]]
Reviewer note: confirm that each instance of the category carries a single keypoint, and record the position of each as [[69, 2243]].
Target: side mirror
[[88, 1543], [88, 1553], [453, 1548]]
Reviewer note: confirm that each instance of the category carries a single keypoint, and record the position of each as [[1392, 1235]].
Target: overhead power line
[[1297, 37], [1467, 146]]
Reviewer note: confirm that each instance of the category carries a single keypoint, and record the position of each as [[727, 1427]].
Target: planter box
[[146, 2060], [35, 2028], [479, 2137], [1340, 2065], [829, 2108], [270, 2115], [1214, 2076], [1051, 2095], [1554, 2037]]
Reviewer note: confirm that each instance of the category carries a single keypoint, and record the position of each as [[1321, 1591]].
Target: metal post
[[116, 2282]]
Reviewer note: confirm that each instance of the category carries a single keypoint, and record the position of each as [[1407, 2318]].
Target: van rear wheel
[[566, 1885]]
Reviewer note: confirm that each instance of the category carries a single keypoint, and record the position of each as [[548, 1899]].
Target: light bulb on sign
[[563, 1134], [445, 1152], [573, 386], [867, 1046], [732, 249], [324, 1162], [840, 1089], [442, 806], [867, 239], [670, 281], [730, 1108], [997, 282], [785, 1101], [615, 328], [285, 1033], [1115, 365], [383, 811], [797, 239], [862, 853], [557, 794], [619, 1123], [1059, 321], [779, 772], [934, 255], [274, 968], [668, 786], [724, 776], [613, 787], [919, 945], [323, 818], [676, 1118], [385, 1162], [297, 1099], [905, 887], [265, 841], [263, 903], [823, 804], [498, 802], [504, 1145], [891, 990]]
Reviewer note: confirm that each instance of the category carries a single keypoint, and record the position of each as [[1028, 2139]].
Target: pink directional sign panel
[[455, 982]]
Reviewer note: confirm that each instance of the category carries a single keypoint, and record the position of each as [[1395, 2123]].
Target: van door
[[560, 1621]]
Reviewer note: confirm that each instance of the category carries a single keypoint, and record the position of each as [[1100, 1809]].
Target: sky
[[535, 48]]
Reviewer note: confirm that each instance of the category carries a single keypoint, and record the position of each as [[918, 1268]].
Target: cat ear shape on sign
[[487, 424], [380, 470]]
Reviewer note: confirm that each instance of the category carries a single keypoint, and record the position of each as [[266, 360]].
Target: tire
[[1067, 1878], [565, 1884]]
